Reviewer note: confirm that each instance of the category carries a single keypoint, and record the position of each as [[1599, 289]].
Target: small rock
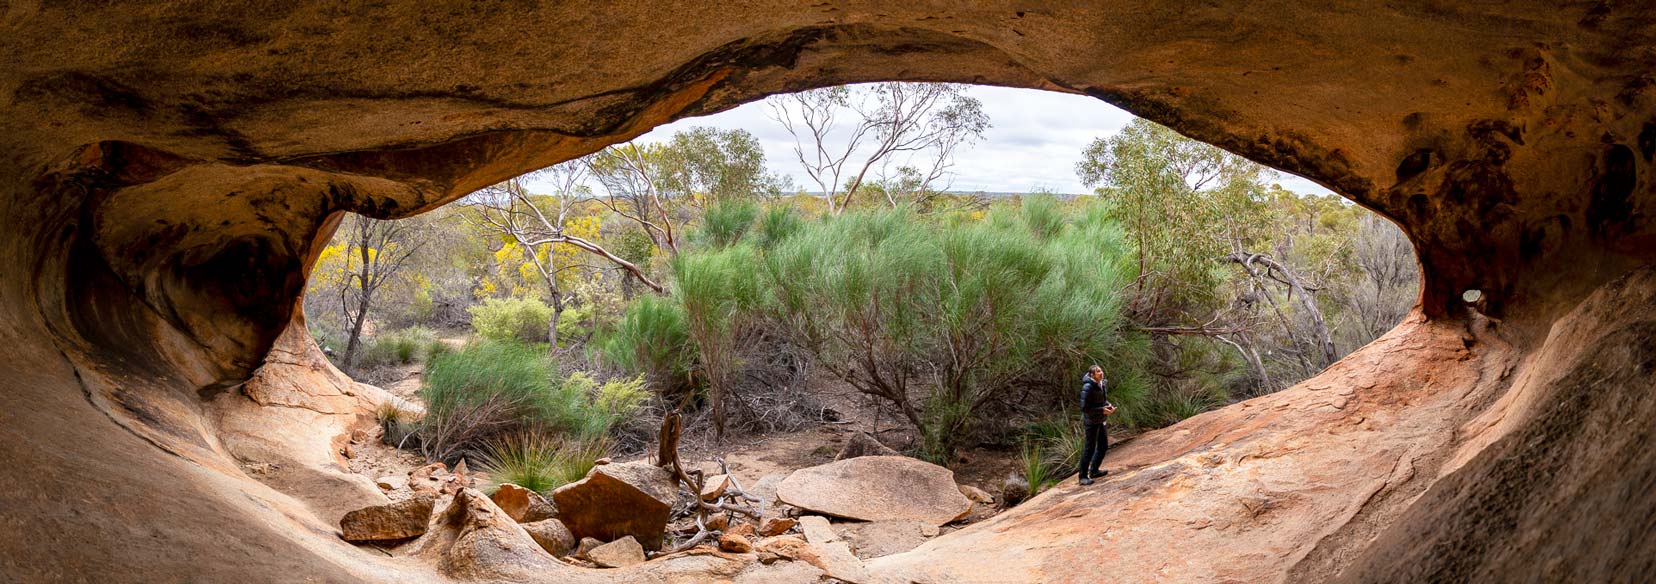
[[1014, 490], [735, 544], [929, 530], [586, 545], [602, 461], [391, 482], [471, 535], [714, 486], [552, 536], [400, 520], [789, 547], [765, 490], [877, 488], [428, 478], [359, 436], [718, 522], [459, 479], [776, 526], [263, 468], [817, 530], [616, 500], [742, 529], [864, 444], [838, 562], [523, 505], [977, 495], [618, 554], [834, 558]]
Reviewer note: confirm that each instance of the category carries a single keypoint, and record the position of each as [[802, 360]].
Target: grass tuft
[[540, 463]]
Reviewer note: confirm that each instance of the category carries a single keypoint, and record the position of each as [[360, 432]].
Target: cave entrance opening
[[1212, 278]]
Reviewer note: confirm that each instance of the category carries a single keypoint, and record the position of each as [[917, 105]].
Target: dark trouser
[[1093, 449]]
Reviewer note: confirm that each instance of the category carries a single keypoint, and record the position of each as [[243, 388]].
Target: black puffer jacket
[[1095, 395]]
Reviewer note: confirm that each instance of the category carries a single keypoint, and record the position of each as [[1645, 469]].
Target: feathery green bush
[[653, 339], [726, 223], [718, 291], [938, 320], [943, 318], [493, 389], [507, 319]]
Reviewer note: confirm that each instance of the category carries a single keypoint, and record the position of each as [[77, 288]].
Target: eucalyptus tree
[[1189, 206], [842, 133], [538, 224], [374, 254], [662, 187]]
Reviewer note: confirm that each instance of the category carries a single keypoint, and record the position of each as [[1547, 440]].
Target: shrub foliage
[[492, 389]]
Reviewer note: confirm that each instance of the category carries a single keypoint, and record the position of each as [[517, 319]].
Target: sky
[[1035, 139]]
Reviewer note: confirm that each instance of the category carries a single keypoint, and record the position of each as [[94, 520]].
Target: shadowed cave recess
[[175, 168]]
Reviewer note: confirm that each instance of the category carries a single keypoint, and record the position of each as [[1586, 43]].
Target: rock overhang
[[172, 182]]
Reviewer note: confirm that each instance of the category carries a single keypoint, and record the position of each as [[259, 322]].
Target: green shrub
[[726, 223], [943, 318], [574, 323], [719, 292], [437, 348], [374, 355], [485, 390], [396, 424], [778, 224], [507, 319], [653, 339], [409, 344], [606, 405], [937, 320], [492, 389]]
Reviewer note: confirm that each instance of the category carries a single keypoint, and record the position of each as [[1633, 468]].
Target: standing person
[[1095, 407]]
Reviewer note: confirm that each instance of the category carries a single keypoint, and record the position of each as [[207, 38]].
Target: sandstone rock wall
[[173, 167]]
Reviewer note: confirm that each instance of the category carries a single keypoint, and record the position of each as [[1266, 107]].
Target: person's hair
[[1095, 367]]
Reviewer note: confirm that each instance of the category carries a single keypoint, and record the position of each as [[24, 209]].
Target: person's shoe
[[1097, 474], [1086, 481]]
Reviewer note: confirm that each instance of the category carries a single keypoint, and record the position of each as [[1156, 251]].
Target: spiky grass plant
[[539, 462], [396, 424], [1036, 469]]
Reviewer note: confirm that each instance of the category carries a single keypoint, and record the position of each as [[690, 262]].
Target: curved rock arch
[[175, 167]]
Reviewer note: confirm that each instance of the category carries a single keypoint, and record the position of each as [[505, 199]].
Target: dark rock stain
[[1647, 141], [1415, 163], [1610, 210], [83, 88], [1535, 240]]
